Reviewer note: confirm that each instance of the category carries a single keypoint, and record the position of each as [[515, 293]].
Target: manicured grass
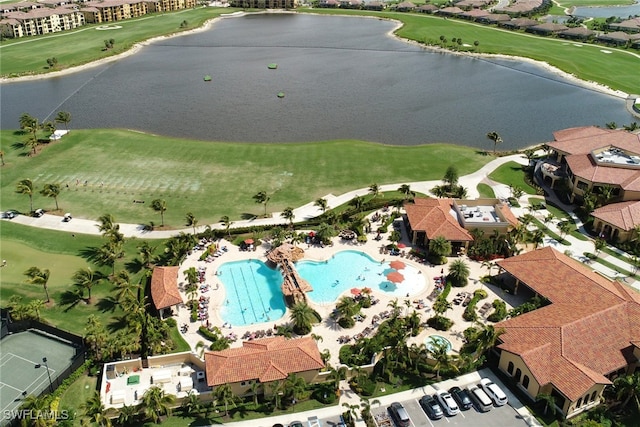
[[28, 55], [178, 340], [206, 178], [511, 174], [616, 70], [77, 394], [62, 254], [614, 267], [485, 191]]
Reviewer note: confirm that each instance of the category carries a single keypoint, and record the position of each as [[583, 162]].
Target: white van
[[480, 399]]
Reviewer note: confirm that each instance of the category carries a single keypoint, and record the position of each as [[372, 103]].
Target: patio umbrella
[[402, 245], [355, 291], [397, 265], [249, 241], [395, 277], [312, 233]]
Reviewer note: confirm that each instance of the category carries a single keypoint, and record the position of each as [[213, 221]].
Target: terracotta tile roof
[[584, 167], [508, 214], [434, 217], [264, 360], [164, 287], [624, 215], [585, 333], [583, 140]]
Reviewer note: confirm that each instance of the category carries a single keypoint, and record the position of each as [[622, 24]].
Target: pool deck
[[329, 330]]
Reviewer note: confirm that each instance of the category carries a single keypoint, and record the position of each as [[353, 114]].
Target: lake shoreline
[[209, 23]]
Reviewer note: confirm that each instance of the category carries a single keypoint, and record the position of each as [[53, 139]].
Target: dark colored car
[[431, 407], [399, 414], [296, 424], [462, 397]]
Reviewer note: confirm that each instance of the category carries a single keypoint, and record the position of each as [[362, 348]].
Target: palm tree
[[486, 338], [441, 306], [95, 410], [439, 247], [191, 405], [29, 124], [25, 186], [109, 253], [32, 144], [352, 410], [347, 307], [124, 288], [439, 352], [35, 306], [322, 204], [51, 190], [35, 276], [357, 203], [255, 392], [295, 387], [38, 405], [226, 222], [225, 395], [155, 403], [95, 335], [303, 317], [262, 198], [145, 250], [405, 189], [127, 415], [537, 238], [107, 223], [277, 390], [191, 221], [497, 139], [85, 278], [565, 227], [63, 117], [549, 402], [159, 205], [374, 189], [451, 177], [459, 272], [628, 387], [287, 213]]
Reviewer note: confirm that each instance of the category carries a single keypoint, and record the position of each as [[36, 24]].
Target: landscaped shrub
[[346, 322], [171, 322], [480, 293], [500, 311], [363, 385], [193, 316], [440, 323], [218, 341]]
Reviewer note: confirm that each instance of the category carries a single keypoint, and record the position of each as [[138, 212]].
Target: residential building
[[593, 158], [113, 10], [164, 288], [454, 219], [263, 361], [40, 20], [573, 348]]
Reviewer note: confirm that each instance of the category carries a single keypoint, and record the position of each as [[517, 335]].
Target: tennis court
[[20, 354]]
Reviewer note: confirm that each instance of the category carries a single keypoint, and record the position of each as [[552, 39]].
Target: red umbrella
[[249, 241], [355, 291], [397, 265], [312, 233], [402, 245], [395, 277]]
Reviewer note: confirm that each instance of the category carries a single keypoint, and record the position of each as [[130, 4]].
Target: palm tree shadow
[[90, 254], [332, 324], [107, 304], [134, 266], [204, 421], [120, 322], [248, 215], [69, 299]]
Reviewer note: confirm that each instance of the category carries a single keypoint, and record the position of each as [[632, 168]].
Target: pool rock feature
[[294, 287]]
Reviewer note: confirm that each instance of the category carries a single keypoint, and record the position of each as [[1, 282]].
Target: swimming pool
[[253, 293], [355, 269]]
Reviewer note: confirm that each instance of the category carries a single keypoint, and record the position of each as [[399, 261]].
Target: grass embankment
[[28, 55], [209, 179], [25, 247], [617, 70], [511, 174]]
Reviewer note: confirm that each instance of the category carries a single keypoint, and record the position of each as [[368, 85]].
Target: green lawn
[[569, 3], [28, 55], [62, 254], [485, 191], [206, 178], [78, 393], [511, 174], [617, 70]]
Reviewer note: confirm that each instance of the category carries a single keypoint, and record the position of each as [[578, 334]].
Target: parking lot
[[503, 416]]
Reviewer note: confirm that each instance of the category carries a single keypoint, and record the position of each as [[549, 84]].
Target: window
[[243, 383], [579, 403], [510, 368], [518, 375], [593, 396], [582, 185], [525, 381]]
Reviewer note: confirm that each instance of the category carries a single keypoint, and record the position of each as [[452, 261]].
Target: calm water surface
[[342, 78]]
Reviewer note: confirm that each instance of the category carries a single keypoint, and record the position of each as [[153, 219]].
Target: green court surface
[[20, 353]]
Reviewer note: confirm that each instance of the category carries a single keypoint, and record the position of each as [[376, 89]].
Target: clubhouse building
[[573, 348], [600, 161]]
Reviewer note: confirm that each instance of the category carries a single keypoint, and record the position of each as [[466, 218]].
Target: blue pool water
[[253, 293], [354, 269]]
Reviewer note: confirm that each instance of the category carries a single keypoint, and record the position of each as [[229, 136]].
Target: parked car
[[431, 407], [494, 392], [448, 404], [462, 398], [399, 414], [10, 214], [296, 424], [480, 399], [38, 213]]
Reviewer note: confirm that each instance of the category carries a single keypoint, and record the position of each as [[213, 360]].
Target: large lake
[[342, 78]]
